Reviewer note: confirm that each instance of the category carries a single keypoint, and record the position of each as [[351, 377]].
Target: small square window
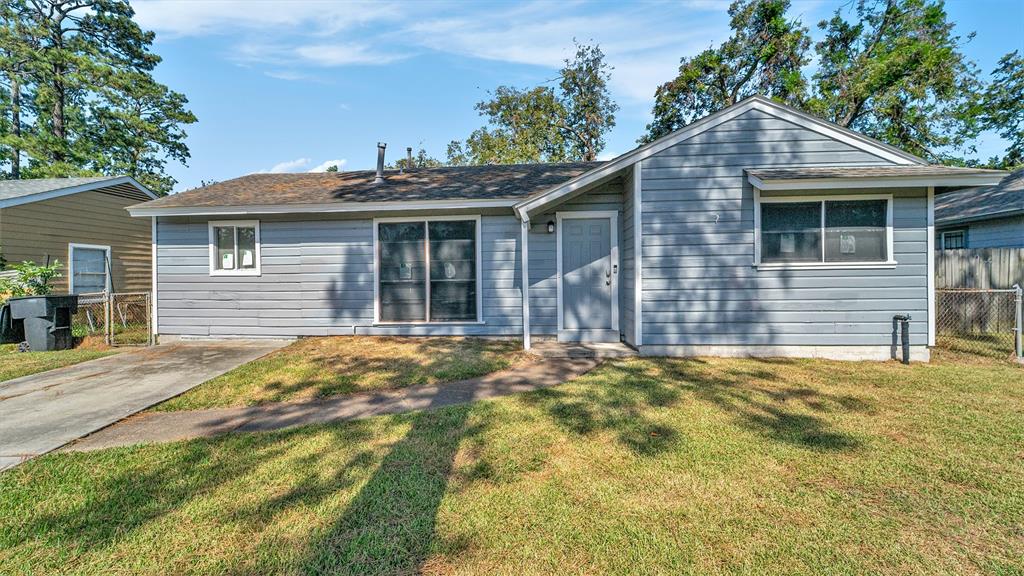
[[235, 248]]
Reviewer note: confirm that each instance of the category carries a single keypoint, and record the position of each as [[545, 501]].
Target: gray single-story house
[[81, 223], [758, 230], [985, 217]]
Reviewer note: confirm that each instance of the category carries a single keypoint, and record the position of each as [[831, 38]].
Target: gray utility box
[[47, 320]]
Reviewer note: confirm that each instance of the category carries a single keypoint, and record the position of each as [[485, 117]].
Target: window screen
[[855, 231], [452, 271], [410, 292], [90, 270], [235, 247], [825, 231], [791, 232]]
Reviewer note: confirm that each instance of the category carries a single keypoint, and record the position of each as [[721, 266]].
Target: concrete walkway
[[170, 426], [44, 411]]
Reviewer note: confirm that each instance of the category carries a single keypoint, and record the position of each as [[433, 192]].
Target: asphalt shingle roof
[[513, 181], [1003, 199], [862, 172], [10, 189]]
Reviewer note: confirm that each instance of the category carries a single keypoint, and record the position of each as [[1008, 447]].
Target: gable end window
[[953, 240], [427, 271], [235, 248], [833, 231]]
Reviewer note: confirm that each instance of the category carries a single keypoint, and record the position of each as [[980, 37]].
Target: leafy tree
[[332, 168], [764, 56], [545, 124], [896, 74], [1002, 108], [95, 105]]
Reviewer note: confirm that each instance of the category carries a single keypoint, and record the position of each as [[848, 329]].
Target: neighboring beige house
[[83, 224]]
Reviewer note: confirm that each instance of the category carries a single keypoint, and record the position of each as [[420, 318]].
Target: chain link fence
[[120, 318], [984, 322]]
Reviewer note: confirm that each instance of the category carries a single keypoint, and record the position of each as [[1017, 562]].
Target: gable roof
[[854, 139], [18, 192], [446, 187], [998, 201]]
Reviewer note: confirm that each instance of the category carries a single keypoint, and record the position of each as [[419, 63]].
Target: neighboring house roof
[[500, 185], [17, 192], [998, 201]]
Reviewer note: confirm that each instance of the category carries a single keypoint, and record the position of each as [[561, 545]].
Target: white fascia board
[[882, 182], [542, 199], [50, 194], [141, 210]]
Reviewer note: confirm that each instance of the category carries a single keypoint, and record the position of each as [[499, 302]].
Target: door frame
[[613, 228]]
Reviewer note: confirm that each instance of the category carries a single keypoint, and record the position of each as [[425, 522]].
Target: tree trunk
[[16, 127], [59, 131]]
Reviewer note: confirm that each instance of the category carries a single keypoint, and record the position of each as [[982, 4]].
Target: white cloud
[[288, 166], [340, 163], [345, 54], [642, 43], [177, 18]]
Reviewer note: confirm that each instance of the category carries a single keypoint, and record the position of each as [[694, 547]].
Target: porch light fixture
[[551, 226]]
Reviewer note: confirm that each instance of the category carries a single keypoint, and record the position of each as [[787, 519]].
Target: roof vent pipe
[[408, 157], [380, 163]]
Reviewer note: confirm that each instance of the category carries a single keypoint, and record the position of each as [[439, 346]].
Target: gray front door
[[587, 275]]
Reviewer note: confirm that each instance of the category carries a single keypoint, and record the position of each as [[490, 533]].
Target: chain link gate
[[121, 318], [985, 322]]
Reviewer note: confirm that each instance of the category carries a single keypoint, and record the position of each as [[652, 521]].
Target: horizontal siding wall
[[317, 279], [543, 262], [699, 284], [627, 279], [43, 230], [996, 233]]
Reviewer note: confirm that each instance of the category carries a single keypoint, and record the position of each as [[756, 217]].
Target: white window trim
[[107, 264], [613, 218], [889, 236], [942, 237], [257, 271], [479, 271]]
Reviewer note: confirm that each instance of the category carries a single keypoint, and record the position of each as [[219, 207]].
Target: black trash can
[[46, 319], [11, 331]]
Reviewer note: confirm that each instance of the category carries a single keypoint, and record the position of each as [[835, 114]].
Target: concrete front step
[[600, 350]]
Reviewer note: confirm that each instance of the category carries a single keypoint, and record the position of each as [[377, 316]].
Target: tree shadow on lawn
[[114, 506], [767, 403], [353, 368], [389, 526], [759, 398]]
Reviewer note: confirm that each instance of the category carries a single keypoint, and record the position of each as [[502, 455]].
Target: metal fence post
[[108, 303], [1018, 330]]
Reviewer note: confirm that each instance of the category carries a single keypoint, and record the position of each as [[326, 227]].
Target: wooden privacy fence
[[979, 268]]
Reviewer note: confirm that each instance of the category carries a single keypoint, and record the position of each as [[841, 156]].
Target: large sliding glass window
[[825, 231], [427, 271]]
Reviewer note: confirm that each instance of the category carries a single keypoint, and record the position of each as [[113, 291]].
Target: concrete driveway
[[42, 412]]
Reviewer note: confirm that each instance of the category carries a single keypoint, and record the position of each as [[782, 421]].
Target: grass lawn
[[644, 466], [14, 364], [317, 367]]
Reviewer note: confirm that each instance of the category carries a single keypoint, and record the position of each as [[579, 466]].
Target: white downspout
[[524, 246]]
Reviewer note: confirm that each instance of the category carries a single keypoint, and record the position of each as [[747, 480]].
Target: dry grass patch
[[319, 367]]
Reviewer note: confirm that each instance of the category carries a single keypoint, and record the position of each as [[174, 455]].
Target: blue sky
[[295, 86]]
